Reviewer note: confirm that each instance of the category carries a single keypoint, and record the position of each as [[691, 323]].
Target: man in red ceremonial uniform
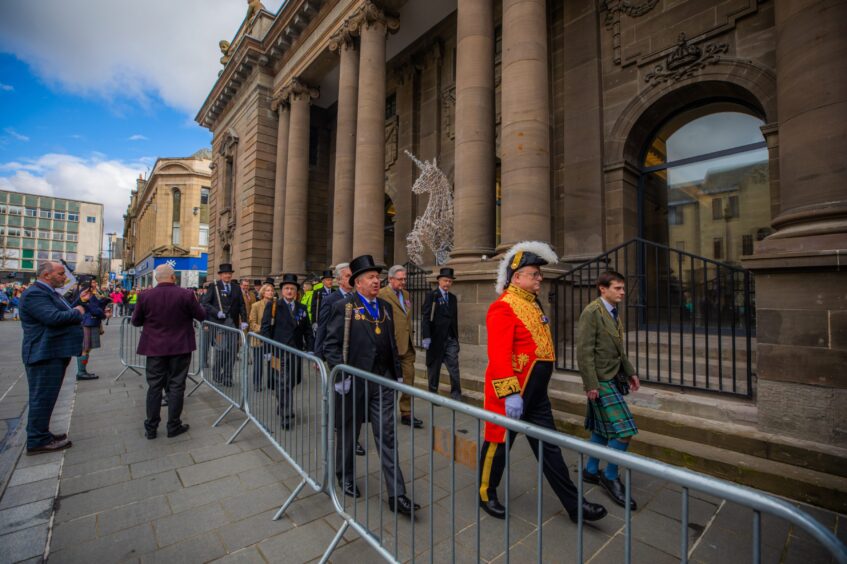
[[520, 363]]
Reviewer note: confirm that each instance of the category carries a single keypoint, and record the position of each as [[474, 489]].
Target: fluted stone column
[[297, 179], [525, 138], [474, 125], [279, 186], [345, 145], [368, 215]]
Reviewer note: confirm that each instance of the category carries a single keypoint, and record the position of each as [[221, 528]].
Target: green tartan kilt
[[609, 416]]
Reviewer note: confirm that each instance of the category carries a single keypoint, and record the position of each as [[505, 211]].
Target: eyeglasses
[[537, 275]]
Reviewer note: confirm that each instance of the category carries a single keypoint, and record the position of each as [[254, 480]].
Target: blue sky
[[93, 91]]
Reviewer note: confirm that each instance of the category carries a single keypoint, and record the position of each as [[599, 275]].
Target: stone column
[[368, 215], [345, 145], [525, 140], [283, 111], [297, 178], [800, 277], [474, 169]]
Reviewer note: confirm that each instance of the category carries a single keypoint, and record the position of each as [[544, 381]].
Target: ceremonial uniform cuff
[[506, 386]]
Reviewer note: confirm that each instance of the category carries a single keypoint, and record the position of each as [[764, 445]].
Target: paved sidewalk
[[196, 499]]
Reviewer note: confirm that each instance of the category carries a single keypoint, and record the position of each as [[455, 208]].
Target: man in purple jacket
[[166, 313]]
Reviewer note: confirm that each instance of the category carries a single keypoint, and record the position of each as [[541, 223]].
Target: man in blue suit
[[52, 335]]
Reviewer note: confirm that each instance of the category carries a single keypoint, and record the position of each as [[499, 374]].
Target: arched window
[[176, 237], [704, 183]]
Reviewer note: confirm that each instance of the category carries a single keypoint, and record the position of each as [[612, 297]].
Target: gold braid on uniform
[[526, 308]]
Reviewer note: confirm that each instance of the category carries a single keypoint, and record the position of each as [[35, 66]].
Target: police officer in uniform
[[360, 333], [224, 306], [520, 364], [440, 332]]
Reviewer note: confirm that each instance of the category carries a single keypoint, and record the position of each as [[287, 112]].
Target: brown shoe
[[59, 437], [52, 446]]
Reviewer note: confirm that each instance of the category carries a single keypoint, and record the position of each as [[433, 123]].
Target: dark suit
[[52, 334], [167, 314], [440, 323], [217, 299], [318, 298], [376, 353], [326, 307], [291, 328]]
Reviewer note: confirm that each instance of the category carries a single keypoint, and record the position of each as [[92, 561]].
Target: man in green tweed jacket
[[607, 376]]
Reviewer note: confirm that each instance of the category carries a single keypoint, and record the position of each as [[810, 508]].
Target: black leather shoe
[[359, 450], [590, 477], [403, 505], [178, 431], [60, 436], [350, 488], [493, 508], [151, 434], [407, 420], [86, 376], [617, 492], [590, 512], [457, 396]]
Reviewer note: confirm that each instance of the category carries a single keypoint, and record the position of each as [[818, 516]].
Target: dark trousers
[[45, 381], [226, 344], [451, 359], [377, 404], [287, 375], [536, 410], [166, 373]]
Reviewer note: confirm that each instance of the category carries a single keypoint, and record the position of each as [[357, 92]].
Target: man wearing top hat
[[224, 305], [360, 333], [287, 322], [320, 294], [520, 363], [440, 332]]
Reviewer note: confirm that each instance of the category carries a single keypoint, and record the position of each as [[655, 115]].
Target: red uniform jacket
[[518, 336]]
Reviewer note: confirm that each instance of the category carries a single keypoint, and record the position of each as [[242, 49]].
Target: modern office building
[[35, 228]]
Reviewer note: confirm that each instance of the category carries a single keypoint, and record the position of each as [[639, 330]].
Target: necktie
[[615, 313], [291, 307], [226, 288], [400, 299]]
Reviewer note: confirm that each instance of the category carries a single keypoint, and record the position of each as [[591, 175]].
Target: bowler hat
[[289, 279], [362, 264], [225, 267], [446, 273], [327, 274]]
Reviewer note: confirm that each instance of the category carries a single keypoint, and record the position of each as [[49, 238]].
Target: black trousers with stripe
[[538, 411]]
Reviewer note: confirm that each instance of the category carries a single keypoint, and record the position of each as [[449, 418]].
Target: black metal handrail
[[689, 320]]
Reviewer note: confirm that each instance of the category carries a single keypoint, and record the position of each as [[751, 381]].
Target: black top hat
[[446, 273], [270, 280], [289, 279], [327, 274], [257, 282], [362, 264], [225, 267]]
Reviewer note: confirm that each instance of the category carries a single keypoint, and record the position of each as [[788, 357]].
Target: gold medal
[[377, 330]]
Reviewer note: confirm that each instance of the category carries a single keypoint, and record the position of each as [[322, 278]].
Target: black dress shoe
[[617, 492], [590, 477], [60, 436], [178, 431], [350, 488], [590, 512], [408, 421], [52, 446], [456, 396], [493, 508], [402, 504], [151, 434], [359, 450], [86, 376]]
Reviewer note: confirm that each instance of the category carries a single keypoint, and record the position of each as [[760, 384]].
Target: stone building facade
[[167, 221], [585, 123]]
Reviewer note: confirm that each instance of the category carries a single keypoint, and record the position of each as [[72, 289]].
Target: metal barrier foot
[[224, 414], [334, 542], [194, 389], [290, 499], [241, 428], [124, 370]]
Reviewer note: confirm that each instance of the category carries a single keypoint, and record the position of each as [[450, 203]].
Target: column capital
[[370, 14], [278, 103], [344, 38], [296, 90]]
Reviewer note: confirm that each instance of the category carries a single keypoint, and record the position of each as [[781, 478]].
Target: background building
[[167, 221], [35, 228]]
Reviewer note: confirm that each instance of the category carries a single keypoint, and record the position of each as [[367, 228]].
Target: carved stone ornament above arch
[[228, 142], [742, 81]]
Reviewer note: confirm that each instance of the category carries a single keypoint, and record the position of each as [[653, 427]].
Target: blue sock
[[611, 472], [593, 465]]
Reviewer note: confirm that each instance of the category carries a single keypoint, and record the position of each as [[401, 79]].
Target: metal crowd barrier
[[194, 370], [223, 367], [441, 487], [285, 393], [127, 348]]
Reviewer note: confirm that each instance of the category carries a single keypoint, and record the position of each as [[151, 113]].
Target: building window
[[58, 236], [747, 245], [717, 208], [91, 219], [391, 106], [717, 248], [675, 216], [89, 258], [176, 199], [15, 210], [203, 241], [32, 212], [71, 237], [59, 215], [45, 214], [732, 208], [73, 216]]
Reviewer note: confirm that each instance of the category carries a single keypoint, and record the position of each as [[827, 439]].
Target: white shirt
[[609, 307]]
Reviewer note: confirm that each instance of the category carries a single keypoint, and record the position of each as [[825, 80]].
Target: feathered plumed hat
[[525, 253]]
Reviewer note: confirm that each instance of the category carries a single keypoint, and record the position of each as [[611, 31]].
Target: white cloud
[[6, 87], [137, 137], [93, 179], [16, 135], [116, 49]]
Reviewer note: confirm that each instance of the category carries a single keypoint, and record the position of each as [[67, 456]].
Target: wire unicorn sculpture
[[435, 227]]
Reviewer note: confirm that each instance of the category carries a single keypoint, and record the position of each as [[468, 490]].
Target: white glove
[[244, 326], [514, 406], [344, 386], [221, 315], [426, 343], [267, 357]]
